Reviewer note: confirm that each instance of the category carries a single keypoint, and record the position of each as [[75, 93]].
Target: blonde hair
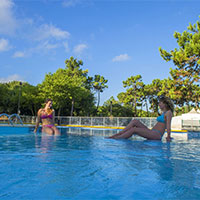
[[168, 102]]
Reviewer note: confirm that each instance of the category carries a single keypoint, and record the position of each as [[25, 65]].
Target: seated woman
[[156, 133], [47, 115]]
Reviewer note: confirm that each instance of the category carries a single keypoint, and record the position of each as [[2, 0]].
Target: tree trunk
[[135, 106], [147, 108], [32, 110], [188, 107], [72, 108], [98, 101], [157, 109], [196, 104], [59, 110]]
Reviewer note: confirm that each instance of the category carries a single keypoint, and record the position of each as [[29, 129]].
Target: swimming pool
[[74, 166]]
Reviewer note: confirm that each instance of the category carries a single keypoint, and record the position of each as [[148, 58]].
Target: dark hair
[[168, 102], [47, 100]]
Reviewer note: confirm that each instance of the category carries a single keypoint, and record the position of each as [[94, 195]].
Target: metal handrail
[[9, 118]]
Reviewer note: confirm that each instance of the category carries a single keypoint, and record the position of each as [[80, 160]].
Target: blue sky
[[114, 38]]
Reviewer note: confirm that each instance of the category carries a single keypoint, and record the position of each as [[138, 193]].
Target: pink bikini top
[[46, 116]]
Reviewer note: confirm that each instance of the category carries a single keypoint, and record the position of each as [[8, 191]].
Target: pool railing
[[98, 122], [93, 121], [10, 119]]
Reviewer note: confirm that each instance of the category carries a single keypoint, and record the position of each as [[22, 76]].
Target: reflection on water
[[71, 166], [90, 132]]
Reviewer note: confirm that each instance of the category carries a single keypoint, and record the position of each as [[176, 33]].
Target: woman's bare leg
[[143, 132], [133, 123], [48, 130], [56, 131]]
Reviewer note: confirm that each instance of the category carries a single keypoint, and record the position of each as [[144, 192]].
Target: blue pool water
[[91, 167]]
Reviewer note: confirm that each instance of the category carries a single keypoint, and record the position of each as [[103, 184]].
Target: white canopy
[[192, 115]]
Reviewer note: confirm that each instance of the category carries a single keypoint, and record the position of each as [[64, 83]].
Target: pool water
[[91, 167]]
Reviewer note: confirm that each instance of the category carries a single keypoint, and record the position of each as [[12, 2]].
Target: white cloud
[[122, 57], [8, 23], [42, 48], [46, 32], [19, 54], [47, 46], [47, 37], [66, 46], [70, 3], [80, 48], [14, 77], [4, 45]]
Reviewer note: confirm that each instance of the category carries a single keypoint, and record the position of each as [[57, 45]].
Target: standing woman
[[47, 115], [157, 132]]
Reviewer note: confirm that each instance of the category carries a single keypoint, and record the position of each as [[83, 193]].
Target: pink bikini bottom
[[48, 125]]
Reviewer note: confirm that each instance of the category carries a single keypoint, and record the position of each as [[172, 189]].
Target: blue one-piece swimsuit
[[161, 119]]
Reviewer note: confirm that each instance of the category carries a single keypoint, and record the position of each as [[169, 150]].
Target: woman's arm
[[168, 125], [37, 121], [53, 113]]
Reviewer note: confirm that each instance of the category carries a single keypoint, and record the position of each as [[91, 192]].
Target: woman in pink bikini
[[156, 133], [47, 115]]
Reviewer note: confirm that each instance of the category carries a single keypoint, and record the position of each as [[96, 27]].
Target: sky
[[116, 39]]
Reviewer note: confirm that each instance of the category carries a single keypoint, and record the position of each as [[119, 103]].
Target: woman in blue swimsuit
[[47, 115], [156, 133]]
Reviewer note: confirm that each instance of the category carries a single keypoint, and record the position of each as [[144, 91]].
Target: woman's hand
[[168, 138]]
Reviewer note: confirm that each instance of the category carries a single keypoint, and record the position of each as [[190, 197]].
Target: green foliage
[[71, 90], [17, 95], [29, 99], [113, 108], [69, 87], [185, 77], [134, 92], [5, 96], [99, 84], [154, 90]]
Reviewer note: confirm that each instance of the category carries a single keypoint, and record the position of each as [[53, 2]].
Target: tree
[[134, 87], [99, 84], [153, 90], [186, 60], [17, 96], [30, 100], [79, 81], [69, 87], [112, 107], [4, 100]]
